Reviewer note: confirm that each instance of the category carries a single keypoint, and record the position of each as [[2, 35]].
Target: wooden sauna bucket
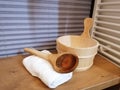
[[83, 46], [84, 50]]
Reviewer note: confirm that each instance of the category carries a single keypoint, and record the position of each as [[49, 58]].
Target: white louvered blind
[[106, 28], [37, 23]]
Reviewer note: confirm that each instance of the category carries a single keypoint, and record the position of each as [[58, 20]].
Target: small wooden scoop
[[62, 63]]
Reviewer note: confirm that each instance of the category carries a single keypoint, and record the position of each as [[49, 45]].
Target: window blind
[[37, 23], [106, 28]]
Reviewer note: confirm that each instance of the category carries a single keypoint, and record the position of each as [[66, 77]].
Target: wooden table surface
[[13, 76]]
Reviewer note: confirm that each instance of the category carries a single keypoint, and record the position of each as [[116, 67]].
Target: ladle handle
[[37, 53], [88, 22]]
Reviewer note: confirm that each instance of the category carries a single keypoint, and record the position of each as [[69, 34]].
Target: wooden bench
[[13, 76]]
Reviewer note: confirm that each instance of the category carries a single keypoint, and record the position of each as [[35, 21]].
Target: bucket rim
[[95, 46]]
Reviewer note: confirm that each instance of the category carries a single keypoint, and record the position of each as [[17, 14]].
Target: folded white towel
[[43, 69]]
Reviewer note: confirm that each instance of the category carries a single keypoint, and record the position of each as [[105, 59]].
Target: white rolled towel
[[42, 69]]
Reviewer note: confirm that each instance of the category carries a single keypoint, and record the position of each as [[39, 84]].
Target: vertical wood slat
[[106, 28]]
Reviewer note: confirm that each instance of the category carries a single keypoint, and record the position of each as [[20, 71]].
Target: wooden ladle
[[62, 63]]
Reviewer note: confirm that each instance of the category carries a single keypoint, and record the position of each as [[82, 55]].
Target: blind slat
[[21, 46], [108, 36], [15, 32], [105, 16], [108, 23], [37, 21], [109, 3], [108, 10], [107, 42], [110, 56], [72, 15], [107, 29], [110, 49], [53, 2]]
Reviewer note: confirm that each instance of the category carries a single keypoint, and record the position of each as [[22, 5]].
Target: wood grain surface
[[13, 76]]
